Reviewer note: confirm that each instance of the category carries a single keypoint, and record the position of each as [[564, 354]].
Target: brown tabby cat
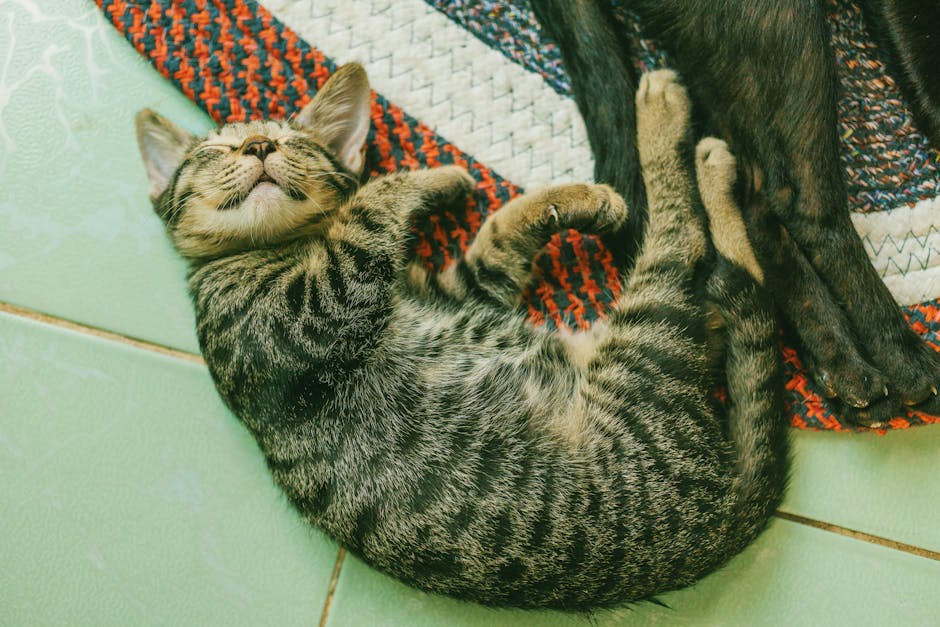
[[421, 420]]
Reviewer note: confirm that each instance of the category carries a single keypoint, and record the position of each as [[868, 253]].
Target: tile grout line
[[860, 535], [334, 580], [42, 318], [38, 316]]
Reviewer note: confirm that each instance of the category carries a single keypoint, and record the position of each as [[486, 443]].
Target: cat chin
[[265, 201], [264, 193]]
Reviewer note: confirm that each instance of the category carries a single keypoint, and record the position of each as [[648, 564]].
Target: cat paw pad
[[663, 109]]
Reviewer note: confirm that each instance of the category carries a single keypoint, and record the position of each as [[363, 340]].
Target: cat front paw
[[588, 208], [455, 178], [663, 112], [446, 187]]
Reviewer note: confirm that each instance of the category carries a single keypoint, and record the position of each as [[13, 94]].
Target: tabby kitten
[[420, 419]]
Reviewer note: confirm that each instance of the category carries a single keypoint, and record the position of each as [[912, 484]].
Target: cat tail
[[757, 423]]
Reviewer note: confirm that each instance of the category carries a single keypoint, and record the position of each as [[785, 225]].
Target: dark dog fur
[[909, 31], [763, 77]]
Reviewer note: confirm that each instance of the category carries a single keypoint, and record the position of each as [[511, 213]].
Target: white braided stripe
[[904, 246], [492, 108], [511, 120]]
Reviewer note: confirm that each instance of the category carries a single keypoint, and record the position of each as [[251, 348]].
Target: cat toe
[[551, 217], [588, 208], [612, 208], [662, 86], [716, 171]]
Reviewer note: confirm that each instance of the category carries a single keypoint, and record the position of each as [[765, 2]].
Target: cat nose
[[258, 146]]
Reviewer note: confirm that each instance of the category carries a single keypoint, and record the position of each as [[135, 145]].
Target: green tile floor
[[130, 495]]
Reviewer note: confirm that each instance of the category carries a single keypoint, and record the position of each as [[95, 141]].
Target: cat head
[[258, 183]]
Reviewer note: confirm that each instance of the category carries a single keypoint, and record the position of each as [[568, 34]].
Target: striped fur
[[423, 423]]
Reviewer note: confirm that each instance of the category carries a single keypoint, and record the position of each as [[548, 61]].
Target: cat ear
[[340, 114], [162, 145]]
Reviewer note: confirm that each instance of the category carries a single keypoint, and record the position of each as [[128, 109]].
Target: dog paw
[[876, 415], [914, 374], [879, 414], [856, 383]]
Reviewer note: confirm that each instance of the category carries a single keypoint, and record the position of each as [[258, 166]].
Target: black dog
[[764, 78]]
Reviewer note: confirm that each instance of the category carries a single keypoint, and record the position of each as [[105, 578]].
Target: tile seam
[[334, 580], [111, 336], [860, 535]]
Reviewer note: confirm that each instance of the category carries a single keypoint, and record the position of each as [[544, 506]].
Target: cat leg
[[595, 53], [378, 216], [498, 264], [658, 312], [652, 370], [756, 423], [402, 195], [675, 237], [375, 223]]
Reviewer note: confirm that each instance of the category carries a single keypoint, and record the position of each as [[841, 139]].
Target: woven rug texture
[[480, 75]]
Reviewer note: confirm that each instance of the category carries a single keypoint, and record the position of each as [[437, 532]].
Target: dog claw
[[829, 390], [858, 403]]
